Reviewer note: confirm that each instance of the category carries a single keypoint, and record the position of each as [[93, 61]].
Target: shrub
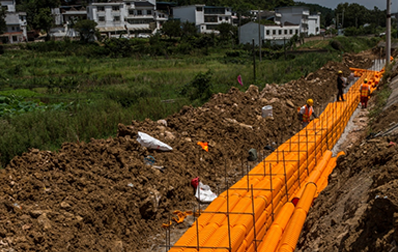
[[335, 44]]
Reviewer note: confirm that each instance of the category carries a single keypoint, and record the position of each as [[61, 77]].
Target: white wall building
[[206, 18], [293, 14], [314, 24], [64, 16], [131, 17], [275, 34], [15, 22]]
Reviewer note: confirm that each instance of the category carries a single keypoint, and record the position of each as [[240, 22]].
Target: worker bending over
[[305, 113], [365, 93]]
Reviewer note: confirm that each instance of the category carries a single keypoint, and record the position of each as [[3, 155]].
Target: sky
[[369, 4]]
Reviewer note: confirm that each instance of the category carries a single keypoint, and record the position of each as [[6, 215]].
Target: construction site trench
[[101, 196]]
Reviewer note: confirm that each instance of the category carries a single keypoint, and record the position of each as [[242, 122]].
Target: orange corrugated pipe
[[274, 234], [293, 229]]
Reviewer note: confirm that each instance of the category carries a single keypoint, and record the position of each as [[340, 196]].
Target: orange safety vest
[[307, 114], [364, 90]]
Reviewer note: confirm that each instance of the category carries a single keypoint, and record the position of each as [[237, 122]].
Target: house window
[[131, 12], [267, 32], [115, 8], [139, 21], [220, 18], [280, 32], [128, 3], [273, 32], [101, 19], [211, 27], [13, 28], [116, 18], [199, 9], [100, 8], [14, 38], [291, 32], [139, 12], [210, 19], [149, 12], [296, 31], [226, 19], [285, 32]]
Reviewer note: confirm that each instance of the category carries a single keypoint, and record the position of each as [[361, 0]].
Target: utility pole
[[388, 33], [254, 62], [342, 20], [259, 35]]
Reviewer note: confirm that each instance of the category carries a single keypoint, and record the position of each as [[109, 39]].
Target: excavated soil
[[100, 196], [358, 211]]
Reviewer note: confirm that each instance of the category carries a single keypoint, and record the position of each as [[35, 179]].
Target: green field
[[56, 97]]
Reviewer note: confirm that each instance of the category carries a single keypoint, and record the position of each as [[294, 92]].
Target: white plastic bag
[[152, 143], [206, 195]]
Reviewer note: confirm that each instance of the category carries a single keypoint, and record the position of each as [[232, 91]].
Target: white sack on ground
[[152, 143], [206, 195]]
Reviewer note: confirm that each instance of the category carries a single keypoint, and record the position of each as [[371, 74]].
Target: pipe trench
[[266, 209]]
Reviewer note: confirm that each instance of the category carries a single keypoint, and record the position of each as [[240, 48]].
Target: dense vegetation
[[73, 93]]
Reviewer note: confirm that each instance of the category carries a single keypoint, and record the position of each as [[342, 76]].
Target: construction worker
[[305, 113], [365, 93], [340, 86]]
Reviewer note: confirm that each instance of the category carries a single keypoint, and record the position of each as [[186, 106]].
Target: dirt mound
[[356, 212], [388, 118], [101, 196], [362, 60]]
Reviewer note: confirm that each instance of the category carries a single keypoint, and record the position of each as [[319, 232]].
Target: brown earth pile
[[100, 196], [358, 210]]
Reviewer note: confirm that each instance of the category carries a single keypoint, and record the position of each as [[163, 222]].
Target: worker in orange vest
[[305, 113], [365, 93]]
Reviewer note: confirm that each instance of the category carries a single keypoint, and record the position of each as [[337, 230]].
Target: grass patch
[[104, 90]]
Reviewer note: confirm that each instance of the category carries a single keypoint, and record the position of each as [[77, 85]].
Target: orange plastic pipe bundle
[[243, 215], [293, 230]]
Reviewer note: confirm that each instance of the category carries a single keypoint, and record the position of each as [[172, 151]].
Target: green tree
[[44, 20], [32, 9], [189, 29], [3, 25], [352, 15], [172, 28], [86, 29]]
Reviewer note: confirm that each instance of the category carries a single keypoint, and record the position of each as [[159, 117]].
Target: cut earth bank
[[100, 196]]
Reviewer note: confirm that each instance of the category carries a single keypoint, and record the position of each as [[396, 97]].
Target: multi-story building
[[64, 16], [206, 18], [314, 26], [126, 17], [15, 22], [273, 33], [309, 24]]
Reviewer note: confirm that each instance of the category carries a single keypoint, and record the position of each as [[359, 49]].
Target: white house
[[15, 22], [64, 16], [275, 34], [206, 18], [293, 14], [126, 17], [314, 24]]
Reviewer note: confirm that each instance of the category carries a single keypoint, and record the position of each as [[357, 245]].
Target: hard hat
[[310, 102], [340, 72], [366, 80]]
